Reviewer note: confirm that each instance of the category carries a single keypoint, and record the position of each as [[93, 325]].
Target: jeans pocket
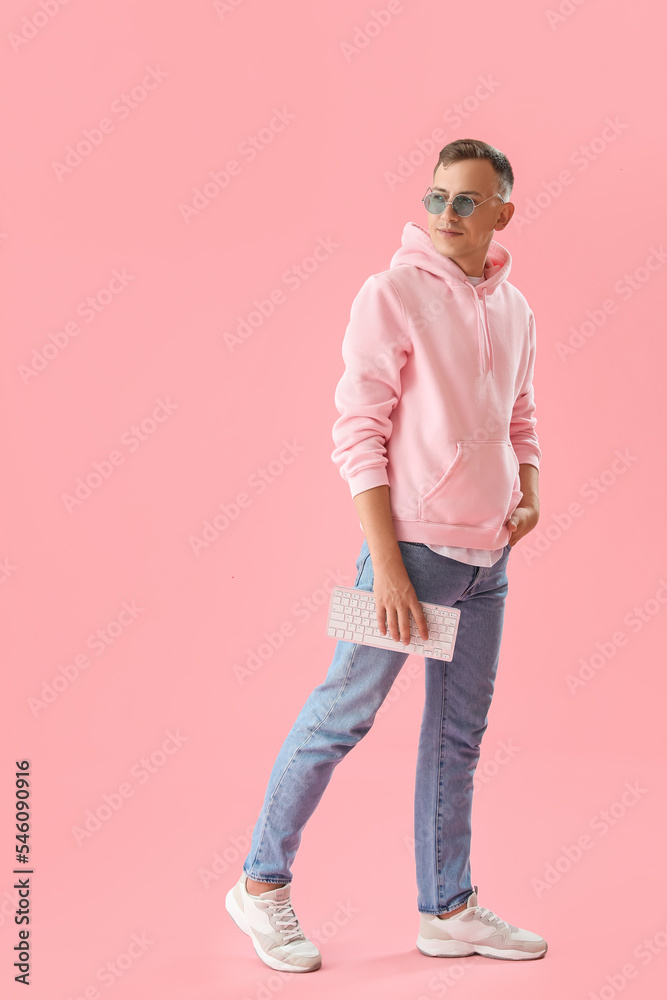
[[477, 489], [361, 563]]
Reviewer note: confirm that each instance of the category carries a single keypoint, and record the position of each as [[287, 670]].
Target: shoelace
[[490, 917], [284, 919]]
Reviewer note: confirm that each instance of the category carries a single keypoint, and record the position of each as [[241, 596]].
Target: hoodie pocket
[[478, 487], [514, 503]]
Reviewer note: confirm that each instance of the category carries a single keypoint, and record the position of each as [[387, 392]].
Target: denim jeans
[[341, 710]]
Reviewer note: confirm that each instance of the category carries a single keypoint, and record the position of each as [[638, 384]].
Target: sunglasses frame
[[467, 197]]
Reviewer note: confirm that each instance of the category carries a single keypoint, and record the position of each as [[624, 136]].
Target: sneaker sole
[[460, 949], [241, 921]]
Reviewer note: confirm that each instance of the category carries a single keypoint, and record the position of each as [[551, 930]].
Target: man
[[436, 439]]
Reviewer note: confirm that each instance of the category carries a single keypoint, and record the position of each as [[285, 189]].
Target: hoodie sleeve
[[522, 425], [375, 347]]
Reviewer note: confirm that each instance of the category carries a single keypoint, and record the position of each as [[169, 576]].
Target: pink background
[[360, 101]]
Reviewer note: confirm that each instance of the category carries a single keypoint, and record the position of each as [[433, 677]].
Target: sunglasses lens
[[435, 203], [463, 205]]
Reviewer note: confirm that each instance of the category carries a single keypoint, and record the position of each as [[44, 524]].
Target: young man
[[436, 440]]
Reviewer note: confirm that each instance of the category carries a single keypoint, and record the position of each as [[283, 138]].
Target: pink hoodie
[[436, 400]]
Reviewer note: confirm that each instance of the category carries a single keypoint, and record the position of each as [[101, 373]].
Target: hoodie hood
[[417, 249]]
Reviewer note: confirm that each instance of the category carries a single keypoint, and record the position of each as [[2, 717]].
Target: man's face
[[468, 247]]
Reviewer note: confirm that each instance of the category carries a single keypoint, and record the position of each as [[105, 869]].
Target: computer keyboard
[[352, 618]]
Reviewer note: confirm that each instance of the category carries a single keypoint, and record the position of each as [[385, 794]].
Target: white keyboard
[[352, 618]]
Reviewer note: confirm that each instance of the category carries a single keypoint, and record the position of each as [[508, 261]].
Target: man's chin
[[445, 251]]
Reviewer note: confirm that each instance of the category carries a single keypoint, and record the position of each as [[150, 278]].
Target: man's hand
[[395, 598], [526, 515], [521, 522], [396, 603]]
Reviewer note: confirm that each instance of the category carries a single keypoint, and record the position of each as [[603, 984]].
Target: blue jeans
[[341, 710]]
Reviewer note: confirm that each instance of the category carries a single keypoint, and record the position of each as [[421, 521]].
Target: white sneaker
[[273, 927], [476, 930]]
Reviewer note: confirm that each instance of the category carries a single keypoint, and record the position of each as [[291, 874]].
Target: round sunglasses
[[462, 204]]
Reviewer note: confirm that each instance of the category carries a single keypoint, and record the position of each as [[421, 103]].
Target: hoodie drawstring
[[488, 334], [485, 332]]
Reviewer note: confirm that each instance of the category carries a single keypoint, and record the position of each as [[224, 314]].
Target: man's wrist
[[386, 556], [529, 476]]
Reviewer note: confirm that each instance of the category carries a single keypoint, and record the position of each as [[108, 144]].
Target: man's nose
[[449, 214]]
